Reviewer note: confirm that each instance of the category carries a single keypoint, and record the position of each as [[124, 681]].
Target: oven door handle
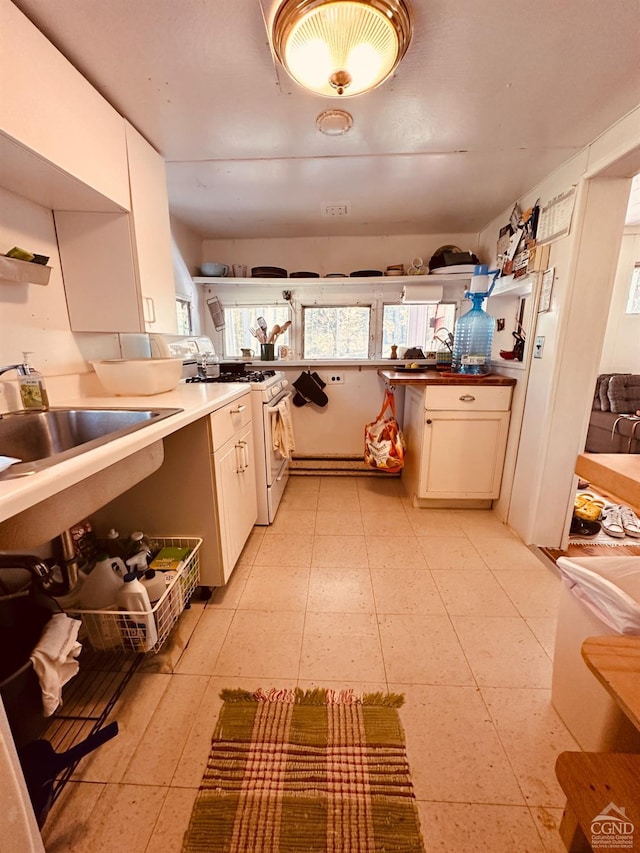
[[273, 409]]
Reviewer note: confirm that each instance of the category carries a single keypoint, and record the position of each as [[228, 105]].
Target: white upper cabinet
[[55, 126], [151, 233], [117, 267]]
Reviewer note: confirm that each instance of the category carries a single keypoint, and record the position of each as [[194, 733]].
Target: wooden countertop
[[615, 662], [616, 473], [432, 377]]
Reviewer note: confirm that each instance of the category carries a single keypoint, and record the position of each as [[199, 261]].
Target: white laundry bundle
[[54, 658]]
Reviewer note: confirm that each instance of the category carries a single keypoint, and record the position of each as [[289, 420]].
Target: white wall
[[186, 252], [559, 388], [621, 351]]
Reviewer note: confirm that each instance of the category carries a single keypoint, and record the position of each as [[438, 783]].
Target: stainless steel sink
[[42, 439]]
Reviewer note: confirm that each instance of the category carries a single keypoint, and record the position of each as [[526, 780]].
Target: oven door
[[276, 465]]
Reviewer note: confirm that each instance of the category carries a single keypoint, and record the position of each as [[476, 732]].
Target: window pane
[[341, 332], [238, 321], [633, 302], [415, 326], [183, 309]]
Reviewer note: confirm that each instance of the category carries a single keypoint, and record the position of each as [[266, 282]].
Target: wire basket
[[109, 630]]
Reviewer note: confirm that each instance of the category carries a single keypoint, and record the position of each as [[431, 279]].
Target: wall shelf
[[324, 281], [11, 269], [522, 286]]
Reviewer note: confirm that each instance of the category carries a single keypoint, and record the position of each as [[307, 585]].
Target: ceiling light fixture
[[341, 47], [334, 122]]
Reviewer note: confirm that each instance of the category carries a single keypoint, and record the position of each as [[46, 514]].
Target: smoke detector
[[334, 122]]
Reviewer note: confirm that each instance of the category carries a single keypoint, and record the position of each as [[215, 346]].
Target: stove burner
[[249, 376]]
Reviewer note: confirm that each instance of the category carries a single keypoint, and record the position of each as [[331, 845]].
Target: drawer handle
[[237, 411], [467, 398]]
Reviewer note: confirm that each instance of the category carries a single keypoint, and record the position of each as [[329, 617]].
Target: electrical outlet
[[538, 346], [336, 379]]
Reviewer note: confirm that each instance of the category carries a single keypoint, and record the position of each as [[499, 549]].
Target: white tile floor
[[353, 587]]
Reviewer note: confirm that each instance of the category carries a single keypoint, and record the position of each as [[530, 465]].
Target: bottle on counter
[[473, 340], [138, 627], [33, 392]]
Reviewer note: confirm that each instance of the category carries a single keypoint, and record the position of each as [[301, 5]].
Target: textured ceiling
[[490, 97]]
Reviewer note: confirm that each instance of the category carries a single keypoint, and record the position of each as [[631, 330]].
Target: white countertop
[[197, 401]]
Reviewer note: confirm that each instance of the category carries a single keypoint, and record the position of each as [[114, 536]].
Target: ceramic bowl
[[138, 377], [214, 269]]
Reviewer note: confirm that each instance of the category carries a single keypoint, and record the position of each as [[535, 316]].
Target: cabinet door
[[152, 233], [236, 494], [463, 454]]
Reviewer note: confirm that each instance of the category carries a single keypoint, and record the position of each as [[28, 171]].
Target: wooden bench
[[603, 800]]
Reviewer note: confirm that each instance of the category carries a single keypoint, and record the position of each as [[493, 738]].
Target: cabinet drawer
[[229, 419], [468, 398]]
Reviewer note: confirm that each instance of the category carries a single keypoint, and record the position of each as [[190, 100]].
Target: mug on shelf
[[246, 353], [239, 270], [283, 352]]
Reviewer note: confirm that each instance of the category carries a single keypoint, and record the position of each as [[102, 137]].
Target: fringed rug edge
[[313, 696]]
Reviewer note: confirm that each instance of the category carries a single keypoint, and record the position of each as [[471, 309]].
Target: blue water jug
[[473, 340]]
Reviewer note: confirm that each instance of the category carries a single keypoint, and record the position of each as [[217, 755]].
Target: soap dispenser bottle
[[32, 388]]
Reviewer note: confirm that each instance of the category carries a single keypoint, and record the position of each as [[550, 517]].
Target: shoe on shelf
[[590, 509], [582, 484], [612, 521], [584, 529], [630, 521]]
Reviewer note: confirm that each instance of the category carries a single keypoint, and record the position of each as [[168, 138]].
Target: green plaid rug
[[317, 771]]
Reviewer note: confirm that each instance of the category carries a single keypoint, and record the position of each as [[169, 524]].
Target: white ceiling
[[490, 97]]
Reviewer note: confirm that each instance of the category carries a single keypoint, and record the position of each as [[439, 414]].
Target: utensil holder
[[267, 352]]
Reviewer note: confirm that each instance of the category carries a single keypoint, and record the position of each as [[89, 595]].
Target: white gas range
[[268, 388]]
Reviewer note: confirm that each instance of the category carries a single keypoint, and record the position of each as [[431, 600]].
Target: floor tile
[[276, 588], [155, 758], [132, 712], [262, 644], [453, 749], [281, 549], [71, 817], [123, 818], [533, 736], [422, 651], [434, 522], [471, 827], [547, 822], [405, 591], [228, 596], [480, 523], [336, 523], [337, 551], [399, 552], [341, 649], [340, 591], [502, 651], [450, 552], [545, 632], [251, 547], [297, 521], [173, 820], [199, 658], [534, 593], [507, 555], [387, 523], [473, 593]]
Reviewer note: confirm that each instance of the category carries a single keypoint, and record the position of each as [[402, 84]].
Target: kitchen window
[[415, 325], [239, 319], [340, 331], [183, 309], [633, 300]]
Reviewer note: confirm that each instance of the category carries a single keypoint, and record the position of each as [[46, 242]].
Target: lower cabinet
[[206, 487], [456, 441]]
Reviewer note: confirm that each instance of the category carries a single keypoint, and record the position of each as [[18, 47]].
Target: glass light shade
[[341, 47]]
